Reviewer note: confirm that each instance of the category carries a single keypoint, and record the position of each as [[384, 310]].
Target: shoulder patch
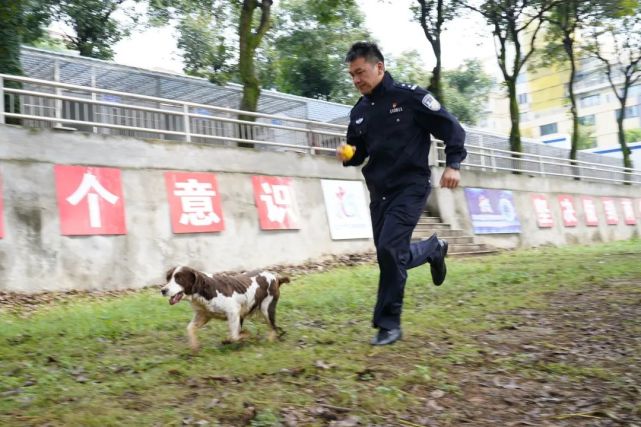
[[430, 102], [406, 86]]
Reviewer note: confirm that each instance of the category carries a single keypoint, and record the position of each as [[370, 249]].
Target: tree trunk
[[436, 86], [248, 42], [627, 161], [568, 45], [515, 131]]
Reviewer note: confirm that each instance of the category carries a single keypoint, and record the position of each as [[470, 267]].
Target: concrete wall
[[35, 256], [451, 205]]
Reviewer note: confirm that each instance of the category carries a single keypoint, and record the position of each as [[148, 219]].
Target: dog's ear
[[170, 273], [186, 278]]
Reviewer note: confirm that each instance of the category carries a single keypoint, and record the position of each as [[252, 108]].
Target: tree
[[566, 19], [94, 26], [616, 42], [467, 89], [327, 28], [20, 22], [250, 33], [408, 67], [220, 39], [433, 15], [514, 22]]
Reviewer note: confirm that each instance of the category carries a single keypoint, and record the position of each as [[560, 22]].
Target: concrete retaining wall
[[35, 256], [451, 206]]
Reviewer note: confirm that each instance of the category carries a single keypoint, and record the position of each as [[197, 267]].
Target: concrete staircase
[[459, 242]]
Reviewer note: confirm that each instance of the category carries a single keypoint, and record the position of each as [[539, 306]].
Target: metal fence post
[[57, 101], [187, 123], [2, 120]]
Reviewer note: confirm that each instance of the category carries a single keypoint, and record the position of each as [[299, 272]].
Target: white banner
[[347, 211]]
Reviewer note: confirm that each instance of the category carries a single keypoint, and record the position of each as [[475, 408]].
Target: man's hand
[[344, 152], [450, 178]]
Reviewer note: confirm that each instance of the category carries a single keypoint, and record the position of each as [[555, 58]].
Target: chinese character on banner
[[1, 211], [89, 200], [589, 208], [567, 210], [542, 210], [194, 202], [628, 211], [610, 208], [276, 203]]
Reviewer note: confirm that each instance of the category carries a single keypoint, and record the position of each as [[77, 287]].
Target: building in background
[[545, 108]]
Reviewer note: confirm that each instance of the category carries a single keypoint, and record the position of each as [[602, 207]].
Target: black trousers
[[394, 218]]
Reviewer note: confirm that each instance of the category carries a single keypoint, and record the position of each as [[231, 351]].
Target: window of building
[[522, 98], [590, 100], [631, 111], [548, 129], [587, 120]]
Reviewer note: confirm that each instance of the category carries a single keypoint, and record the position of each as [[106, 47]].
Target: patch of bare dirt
[[575, 363]]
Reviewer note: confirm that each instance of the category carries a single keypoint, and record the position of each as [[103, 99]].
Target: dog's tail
[[283, 279]]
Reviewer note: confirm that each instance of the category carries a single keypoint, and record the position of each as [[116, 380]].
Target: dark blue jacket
[[392, 127]]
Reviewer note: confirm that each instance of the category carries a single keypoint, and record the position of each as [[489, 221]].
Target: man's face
[[365, 75]]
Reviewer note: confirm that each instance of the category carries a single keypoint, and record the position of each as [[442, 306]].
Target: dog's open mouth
[[173, 300]]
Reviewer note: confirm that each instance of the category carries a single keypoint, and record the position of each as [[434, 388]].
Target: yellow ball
[[347, 151]]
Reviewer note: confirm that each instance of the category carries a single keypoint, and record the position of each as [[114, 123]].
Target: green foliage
[[465, 88], [466, 91], [207, 51], [11, 20], [95, 28], [586, 139], [633, 135], [305, 52], [408, 67]]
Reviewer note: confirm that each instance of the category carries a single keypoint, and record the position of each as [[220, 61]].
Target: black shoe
[[437, 265], [387, 336]]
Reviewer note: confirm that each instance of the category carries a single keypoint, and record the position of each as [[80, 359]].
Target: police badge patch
[[430, 102]]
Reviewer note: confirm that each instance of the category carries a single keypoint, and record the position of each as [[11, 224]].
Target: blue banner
[[492, 211]]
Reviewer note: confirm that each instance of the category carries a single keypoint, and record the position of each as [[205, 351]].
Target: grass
[[125, 361]]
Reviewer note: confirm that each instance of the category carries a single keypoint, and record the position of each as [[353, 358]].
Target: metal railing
[[43, 103]]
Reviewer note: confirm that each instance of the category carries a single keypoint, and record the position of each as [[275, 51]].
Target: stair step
[[433, 226], [425, 219], [425, 233], [459, 243]]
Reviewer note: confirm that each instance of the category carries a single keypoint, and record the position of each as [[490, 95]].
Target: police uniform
[[391, 127]]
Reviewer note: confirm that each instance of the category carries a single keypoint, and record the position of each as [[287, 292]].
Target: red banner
[[542, 210], [610, 208], [1, 210], [591, 215], [276, 203], [194, 202], [628, 212], [90, 200], [567, 210]]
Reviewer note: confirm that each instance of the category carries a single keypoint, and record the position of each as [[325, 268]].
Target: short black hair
[[367, 50]]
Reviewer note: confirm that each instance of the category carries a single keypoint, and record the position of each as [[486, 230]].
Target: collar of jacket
[[382, 87]]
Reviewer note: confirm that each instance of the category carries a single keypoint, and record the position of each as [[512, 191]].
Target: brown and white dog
[[225, 296]]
